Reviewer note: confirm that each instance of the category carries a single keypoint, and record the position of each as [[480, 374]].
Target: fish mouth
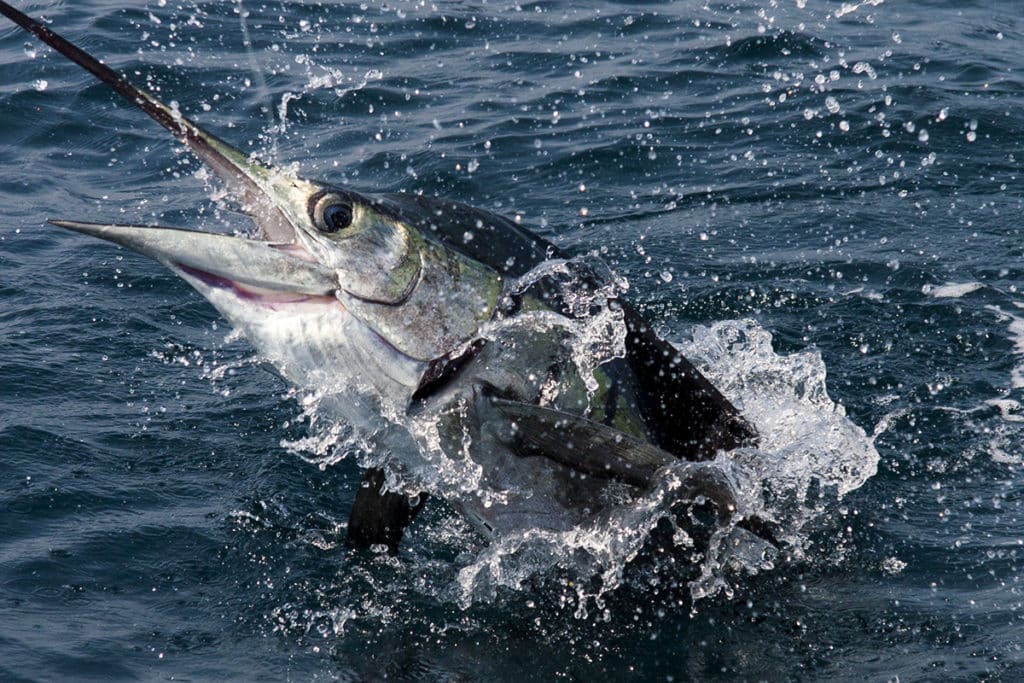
[[267, 278], [257, 295], [253, 270]]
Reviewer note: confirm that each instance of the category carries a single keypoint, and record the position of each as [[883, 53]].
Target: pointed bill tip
[[93, 229], [131, 236]]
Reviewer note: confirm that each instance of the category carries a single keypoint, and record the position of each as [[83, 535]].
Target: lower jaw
[[257, 295]]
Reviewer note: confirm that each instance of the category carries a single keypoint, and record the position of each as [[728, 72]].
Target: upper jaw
[[255, 268]]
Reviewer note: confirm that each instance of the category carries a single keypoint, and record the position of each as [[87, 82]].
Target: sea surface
[[836, 189]]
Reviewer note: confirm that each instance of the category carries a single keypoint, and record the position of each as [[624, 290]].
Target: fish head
[[334, 287]]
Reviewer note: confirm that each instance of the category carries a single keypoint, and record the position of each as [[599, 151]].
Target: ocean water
[[819, 201]]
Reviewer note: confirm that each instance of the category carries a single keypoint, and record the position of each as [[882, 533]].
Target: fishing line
[[262, 90]]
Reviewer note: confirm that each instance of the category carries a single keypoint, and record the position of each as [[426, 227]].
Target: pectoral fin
[[581, 444], [600, 451]]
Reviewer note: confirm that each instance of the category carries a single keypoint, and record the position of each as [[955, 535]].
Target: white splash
[[810, 457], [1009, 409], [951, 290], [1004, 444], [805, 436], [851, 7], [1015, 323], [330, 78]]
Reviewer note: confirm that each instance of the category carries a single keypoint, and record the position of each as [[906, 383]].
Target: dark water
[[848, 175]]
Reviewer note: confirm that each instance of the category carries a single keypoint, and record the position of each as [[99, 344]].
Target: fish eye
[[332, 214], [337, 217]]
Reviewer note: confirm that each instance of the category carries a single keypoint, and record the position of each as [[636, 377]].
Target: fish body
[[449, 333]]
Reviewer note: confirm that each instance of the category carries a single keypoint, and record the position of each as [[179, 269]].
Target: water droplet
[[666, 276], [832, 105], [40, 84], [923, 135], [30, 50]]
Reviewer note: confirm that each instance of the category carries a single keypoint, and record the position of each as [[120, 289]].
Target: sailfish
[[458, 351]]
